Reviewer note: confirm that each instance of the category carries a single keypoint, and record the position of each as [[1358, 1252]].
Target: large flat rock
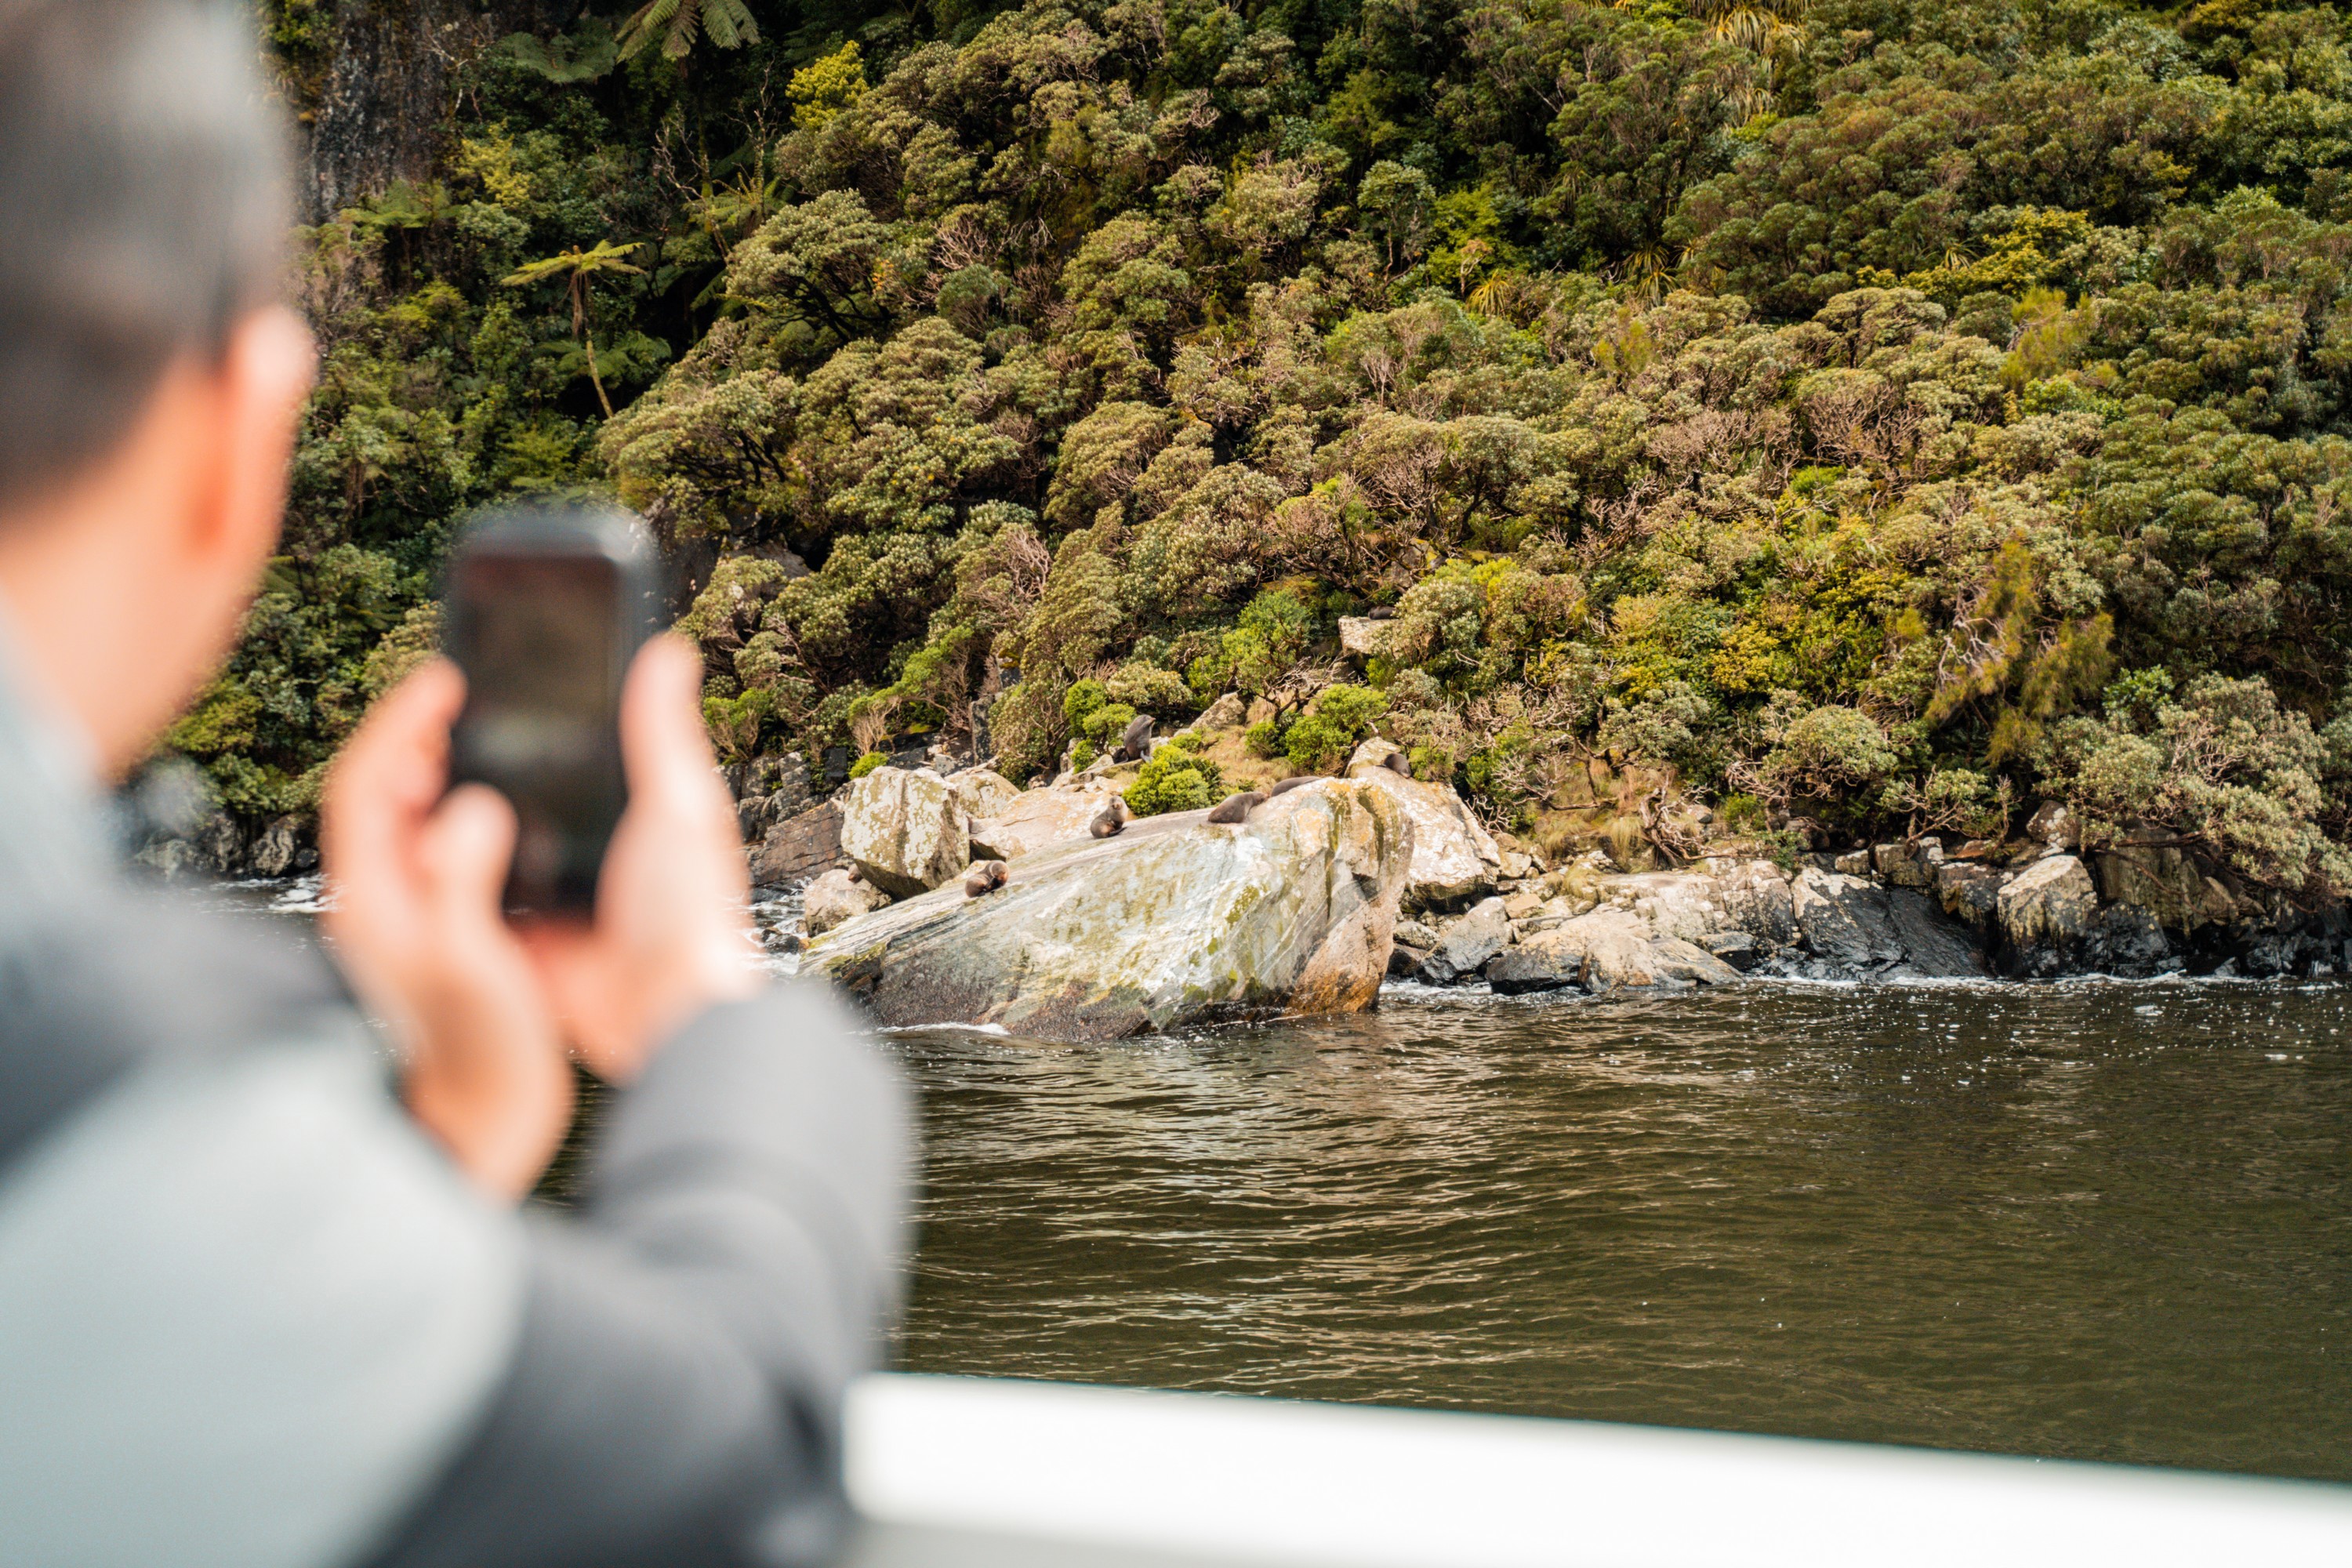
[[1174, 921]]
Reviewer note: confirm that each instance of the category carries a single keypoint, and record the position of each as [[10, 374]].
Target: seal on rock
[[1110, 819], [985, 876], [1236, 807], [1397, 762], [1284, 786], [1131, 745]]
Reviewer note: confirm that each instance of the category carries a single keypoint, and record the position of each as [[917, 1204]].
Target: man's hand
[[672, 933], [415, 918]]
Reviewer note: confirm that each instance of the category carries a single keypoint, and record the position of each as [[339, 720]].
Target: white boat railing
[[1131, 1475]]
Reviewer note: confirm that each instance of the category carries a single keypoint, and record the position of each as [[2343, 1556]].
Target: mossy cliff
[[1870, 417]]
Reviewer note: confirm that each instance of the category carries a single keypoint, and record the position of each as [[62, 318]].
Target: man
[[253, 1311]]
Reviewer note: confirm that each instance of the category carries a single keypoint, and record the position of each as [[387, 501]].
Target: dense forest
[[1881, 414]]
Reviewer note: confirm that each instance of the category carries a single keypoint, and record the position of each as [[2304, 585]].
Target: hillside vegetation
[[1881, 414]]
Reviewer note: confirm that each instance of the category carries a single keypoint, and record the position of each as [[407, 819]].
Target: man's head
[[149, 383]]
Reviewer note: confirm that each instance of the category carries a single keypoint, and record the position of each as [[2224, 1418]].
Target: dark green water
[[2101, 1221]]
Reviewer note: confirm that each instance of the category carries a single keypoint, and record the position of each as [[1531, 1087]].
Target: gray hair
[[142, 211]]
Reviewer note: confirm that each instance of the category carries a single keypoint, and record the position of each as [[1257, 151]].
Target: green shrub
[[1106, 723], [1148, 689], [1342, 717], [1177, 778], [867, 764], [1081, 700], [1264, 738]]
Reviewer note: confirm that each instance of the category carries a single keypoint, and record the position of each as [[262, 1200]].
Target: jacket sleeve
[[675, 1393]]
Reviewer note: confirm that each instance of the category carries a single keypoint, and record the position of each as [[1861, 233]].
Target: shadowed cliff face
[[376, 109]]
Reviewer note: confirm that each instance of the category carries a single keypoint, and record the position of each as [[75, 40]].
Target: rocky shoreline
[[1307, 898]]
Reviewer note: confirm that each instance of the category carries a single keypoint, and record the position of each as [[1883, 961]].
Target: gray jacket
[[251, 1317]]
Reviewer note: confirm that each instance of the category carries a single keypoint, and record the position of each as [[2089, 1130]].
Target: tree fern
[[726, 23]]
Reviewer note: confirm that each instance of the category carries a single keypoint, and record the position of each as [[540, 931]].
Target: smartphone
[[544, 607]]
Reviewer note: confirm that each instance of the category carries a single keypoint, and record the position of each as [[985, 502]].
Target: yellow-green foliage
[[1826, 408], [1176, 778]]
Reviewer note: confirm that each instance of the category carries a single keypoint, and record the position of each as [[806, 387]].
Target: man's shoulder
[[97, 981], [249, 1305]]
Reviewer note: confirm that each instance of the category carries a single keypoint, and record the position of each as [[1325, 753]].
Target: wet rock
[[798, 847], [1466, 942], [1856, 930], [1969, 891], [1736, 948], [2053, 924], [220, 842], [1453, 857], [1039, 818], [1171, 924], [2166, 882], [1606, 951], [2049, 905], [1906, 865], [904, 830], [277, 848], [839, 895]]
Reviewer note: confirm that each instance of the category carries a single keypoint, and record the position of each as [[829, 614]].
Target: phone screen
[[537, 636]]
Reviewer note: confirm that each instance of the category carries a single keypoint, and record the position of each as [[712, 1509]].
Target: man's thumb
[[466, 848]]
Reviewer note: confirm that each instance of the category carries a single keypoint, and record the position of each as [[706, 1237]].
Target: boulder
[[1969, 891], [1453, 857], [2169, 884], [984, 792], [838, 895], [1904, 865], [1362, 636], [1175, 922], [1736, 948], [1855, 930], [1414, 942], [1856, 864], [904, 830], [1039, 818], [2053, 825], [1606, 951], [2051, 923], [1466, 942], [798, 847], [2050, 904], [1226, 713], [278, 848]]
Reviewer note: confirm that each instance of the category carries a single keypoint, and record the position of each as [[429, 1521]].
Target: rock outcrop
[[1455, 859], [904, 830], [1039, 818], [1465, 943], [1172, 922], [798, 847], [1603, 952], [838, 895], [984, 792]]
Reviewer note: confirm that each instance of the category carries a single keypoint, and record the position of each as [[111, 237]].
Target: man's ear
[[265, 372]]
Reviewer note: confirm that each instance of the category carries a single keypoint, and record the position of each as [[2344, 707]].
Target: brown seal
[[985, 876], [1286, 785], [1111, 819], [1236, 807], [1132, 744]]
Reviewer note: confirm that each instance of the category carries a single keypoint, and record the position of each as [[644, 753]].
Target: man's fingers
[[662, 743], [466, 848], [394, 768]]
